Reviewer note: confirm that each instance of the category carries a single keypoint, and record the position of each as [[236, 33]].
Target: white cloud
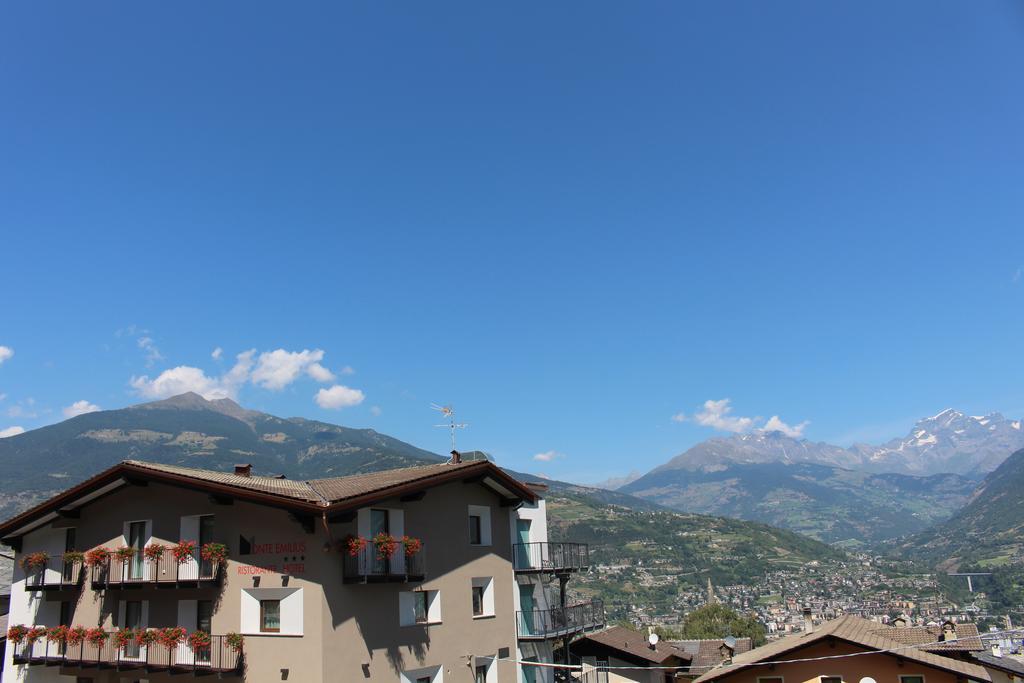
[[216, 354], [11, 431], [548, 456], [152, 352], [347, 370], [375, 411], [5, 353], [185, 378], [277, 369], [774, 424], [338, 397], [320, 373], [716, 414], [80, 408]]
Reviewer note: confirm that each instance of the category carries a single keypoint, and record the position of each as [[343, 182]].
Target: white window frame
[[407, 608], [487, 583], [484, 513], [292, 611], [436, 674]]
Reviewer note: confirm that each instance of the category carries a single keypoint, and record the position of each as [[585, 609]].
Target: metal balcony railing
[[139, 571], [558, 622], [367, 566], [218, 658], [550, 557], [57, 574]]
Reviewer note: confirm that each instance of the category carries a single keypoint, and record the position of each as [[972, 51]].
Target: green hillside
[[831, 504]]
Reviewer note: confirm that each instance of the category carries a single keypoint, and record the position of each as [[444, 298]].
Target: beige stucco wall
[[345, 626], [881, 667]]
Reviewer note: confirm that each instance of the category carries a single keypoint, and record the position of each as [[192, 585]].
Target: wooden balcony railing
[[558, 622], [219, 657], [58, 574], [139, 571], [368, 567], [550, 557]]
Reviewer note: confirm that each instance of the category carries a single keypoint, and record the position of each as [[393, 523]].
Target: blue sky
[[574, 221]]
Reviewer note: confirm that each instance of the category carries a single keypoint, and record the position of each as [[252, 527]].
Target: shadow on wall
[[374, 609]]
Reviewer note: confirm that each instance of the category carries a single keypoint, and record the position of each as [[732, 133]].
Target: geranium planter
[[235, 641], [73, 557], [144, 637], [57, 634], [184, 551], [214, 552], [97, 556], [199, 641], [96, 637], [34, 634], [33, 562], [171, 637], [76, 635], [154, 551], [125, 553], [412, 545], [124, 638], [353, 545], [17, 633], [386, 545]]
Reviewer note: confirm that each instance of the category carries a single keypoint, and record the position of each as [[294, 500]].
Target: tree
[[717, 621]]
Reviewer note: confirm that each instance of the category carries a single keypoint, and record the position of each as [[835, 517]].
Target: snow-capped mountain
[[950, 442]]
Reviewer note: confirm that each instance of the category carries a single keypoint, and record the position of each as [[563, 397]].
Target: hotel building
[[434, 574]]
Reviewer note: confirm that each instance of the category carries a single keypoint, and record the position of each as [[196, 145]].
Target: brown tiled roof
[[338, 489], [288, 488], [706, 654], [853, 630], [635, 644], [313, 496], [967, 637]]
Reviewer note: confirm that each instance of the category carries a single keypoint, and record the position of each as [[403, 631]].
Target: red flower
[[354, 545], [184, 551], [97, 556], [96, 636], [412, 545], [386, 545], [76, 635], [17, 633]]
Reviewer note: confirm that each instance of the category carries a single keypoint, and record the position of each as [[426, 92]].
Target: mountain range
[[190, 430], [861, 494]]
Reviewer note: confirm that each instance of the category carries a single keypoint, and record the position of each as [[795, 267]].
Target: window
[[419, 601], [483, 596], [419, 608], [204, 616], [270, 616], [831, 679], [769, 679], [432, 674], [479, 525], [478, 602], [265, 611], [423, 679], [911, 679], [481, 674]]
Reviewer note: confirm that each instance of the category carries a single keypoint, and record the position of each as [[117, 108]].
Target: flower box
[[386, 545], [184, 551], [412, 545], [17, 633], [214, 552], [96, 636], [35, 561], [76, 635], [154, 551], [97, 556]]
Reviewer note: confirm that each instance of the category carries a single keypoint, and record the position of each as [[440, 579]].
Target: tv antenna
[[449, 413]]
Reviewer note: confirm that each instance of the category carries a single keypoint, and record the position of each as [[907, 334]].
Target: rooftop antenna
[[449, 413]]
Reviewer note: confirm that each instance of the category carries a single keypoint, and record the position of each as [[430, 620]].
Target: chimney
[[948, 630], [725, 651], [996, 650], [808, 620], [244, 470], [456, 457], [899, 622]]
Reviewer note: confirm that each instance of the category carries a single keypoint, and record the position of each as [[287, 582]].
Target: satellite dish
[[730, 643], [653, 639], [867, 679]]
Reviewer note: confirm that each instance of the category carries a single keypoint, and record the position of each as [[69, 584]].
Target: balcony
[[166, 572], [218, 658], [554, 558], [560, 622], [57, 574], [367, 566]]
